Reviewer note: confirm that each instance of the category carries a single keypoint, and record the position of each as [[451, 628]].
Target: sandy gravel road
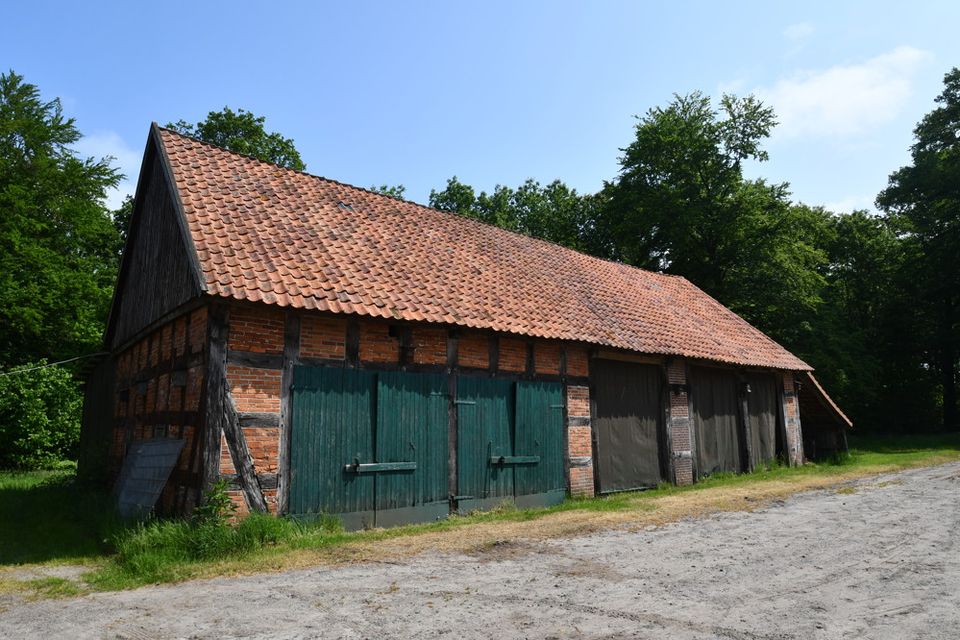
[[878, 559]]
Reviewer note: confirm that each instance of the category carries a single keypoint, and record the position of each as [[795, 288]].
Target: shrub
[[39, 416]]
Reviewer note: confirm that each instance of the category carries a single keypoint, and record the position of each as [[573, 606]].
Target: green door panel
[[539, 434], [485, 411], [412, 427], [332, 427]]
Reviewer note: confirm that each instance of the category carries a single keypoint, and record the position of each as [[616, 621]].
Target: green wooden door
[[333, 411], [370, 448], [538, 444], [485, 412], [411, 428]]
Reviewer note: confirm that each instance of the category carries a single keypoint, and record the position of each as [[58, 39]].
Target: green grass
[[44, 518]]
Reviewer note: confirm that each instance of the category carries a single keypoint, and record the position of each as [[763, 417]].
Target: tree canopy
[[243, 132], [554, 212], [923, 202], [681, 204], [58, 244]]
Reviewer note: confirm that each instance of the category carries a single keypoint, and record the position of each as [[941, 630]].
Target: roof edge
[[194, 257], [828, 402]]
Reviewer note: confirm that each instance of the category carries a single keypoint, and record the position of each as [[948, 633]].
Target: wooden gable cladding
[[159, 271]]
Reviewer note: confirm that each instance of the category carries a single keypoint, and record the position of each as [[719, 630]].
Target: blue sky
[[496, 92]]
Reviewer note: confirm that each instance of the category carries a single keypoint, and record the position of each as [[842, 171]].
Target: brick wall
[[257, 329], [512, 355], [579, 441], [254, 390], [546, 357], [323, 337], [680, 424], [158, 383], [376, 343], [429, 345], [473, 350], [578, 362]]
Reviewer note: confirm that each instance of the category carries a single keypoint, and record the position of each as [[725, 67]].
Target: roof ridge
[[423, 206]]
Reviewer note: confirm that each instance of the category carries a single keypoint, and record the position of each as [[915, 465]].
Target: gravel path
[[879, 559]]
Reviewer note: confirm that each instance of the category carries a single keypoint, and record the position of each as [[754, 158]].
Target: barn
[[328, 349]]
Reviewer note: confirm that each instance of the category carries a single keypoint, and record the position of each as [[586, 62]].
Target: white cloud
[[850, 203], [109, 143], [798, 31], [845, 100]]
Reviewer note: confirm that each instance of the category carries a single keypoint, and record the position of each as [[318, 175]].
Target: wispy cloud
[[798, 31], [850, 203], [109, 143], [845, 100]]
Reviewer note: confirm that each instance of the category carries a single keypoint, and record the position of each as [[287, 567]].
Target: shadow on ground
[[45, 516]]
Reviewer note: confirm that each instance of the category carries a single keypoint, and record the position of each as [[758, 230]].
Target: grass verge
[[175, 550]]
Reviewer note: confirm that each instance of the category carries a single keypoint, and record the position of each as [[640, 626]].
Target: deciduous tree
[[923, 200], [57, 242], [243, 132]]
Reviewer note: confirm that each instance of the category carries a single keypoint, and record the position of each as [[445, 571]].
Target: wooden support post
[[240, 454], [745, 428], [214, 396], [453, 346], [353, 342], [291, 357]]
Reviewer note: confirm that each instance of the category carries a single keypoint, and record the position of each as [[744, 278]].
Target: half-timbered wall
[[159, 392], [264, 343]]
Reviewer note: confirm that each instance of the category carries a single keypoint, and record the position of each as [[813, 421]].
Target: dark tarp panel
[[762, 415], [628, 408], [714, 393], [145, 471]]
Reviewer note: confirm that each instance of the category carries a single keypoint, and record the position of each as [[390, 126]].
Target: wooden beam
[[254, 360], [251, 419], [291, 357], [353, 342], [494, 355], [453, 354], [214, 394], [625, 356], [240, 454]]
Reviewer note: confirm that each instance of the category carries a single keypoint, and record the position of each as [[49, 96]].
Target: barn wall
[[259, 354], [158, 391], [156, 275]]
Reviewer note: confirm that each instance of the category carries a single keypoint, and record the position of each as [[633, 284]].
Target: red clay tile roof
[[279, 236]]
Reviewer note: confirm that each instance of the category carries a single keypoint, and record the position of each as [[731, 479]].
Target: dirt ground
[[877, 558]]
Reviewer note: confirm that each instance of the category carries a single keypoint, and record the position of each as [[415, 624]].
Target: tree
[[681, 204], [39, 416], [243, 132], [121, 221], [58, 254], [395, 191], [554, 212], [923, 201]]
